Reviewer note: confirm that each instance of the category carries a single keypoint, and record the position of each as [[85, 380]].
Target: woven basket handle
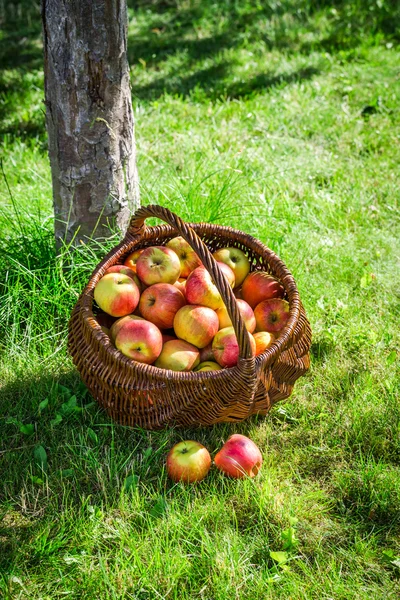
[[137, 227]]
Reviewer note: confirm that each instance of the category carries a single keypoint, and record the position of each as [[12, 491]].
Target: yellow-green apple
[[259, 286], [139, 339], [196, 324], [263, 341], [200, 289], [188, 461], [239, 457], [206, 353], [227, 271], [126, 271], [226, 349], [158, 264], [188, 257], [117, 294], [236, 260], [178, 355], [245, 310], [159, 304], [208, 365], [272, 315], [132, 259]]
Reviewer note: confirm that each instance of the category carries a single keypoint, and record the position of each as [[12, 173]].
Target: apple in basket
[[178, 355], [239, 457], [196, 324], [236, 260], [259, 286], [227, 271], [226, 349], [158, 264], [272, 315], [139, 339], [188, 461], [126, 271], [200, 289], [187, 256], [117, 294], [132, 259], [206, 353], [207, 365], [159, 304], [245, 310], [263, 341]]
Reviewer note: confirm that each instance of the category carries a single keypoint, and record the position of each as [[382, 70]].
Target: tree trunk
[[89, 117]]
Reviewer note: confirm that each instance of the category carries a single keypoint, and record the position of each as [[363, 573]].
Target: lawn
[[280, 119]]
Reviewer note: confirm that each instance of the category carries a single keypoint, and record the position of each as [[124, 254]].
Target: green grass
[[280, 119]]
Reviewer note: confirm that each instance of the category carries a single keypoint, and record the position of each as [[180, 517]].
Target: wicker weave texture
[[137, 394]]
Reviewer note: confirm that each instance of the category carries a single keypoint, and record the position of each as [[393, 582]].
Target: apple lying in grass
[[188, 461], [117, 294], [200, 289], [139, 339], [187, 256], [208, 365], [272, 315], [132, 259], [239, 457], [158, 264], [126, 271], [226, 349], [245, 310], [178, 355], [263, 341], [259, 286], [196, 324], [159, 304], [236, 260]]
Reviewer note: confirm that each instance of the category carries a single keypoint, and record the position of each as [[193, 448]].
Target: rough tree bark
[[89, 117]]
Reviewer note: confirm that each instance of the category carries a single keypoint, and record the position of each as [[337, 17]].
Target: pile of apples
[[162, 307]]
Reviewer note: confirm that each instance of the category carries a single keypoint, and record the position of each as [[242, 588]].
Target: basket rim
[[157, 374]]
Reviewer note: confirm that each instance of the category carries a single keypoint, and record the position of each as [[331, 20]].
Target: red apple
[[140, 340], [200, 289], [116, 326], [196, 325], [187, 256], [259, 286], [126, 271], [188, 461], [178, 355], [236, 260], [158, 264], [208, 365], [159, 304], [181, 285], [239, 457], [132, 259], [117, 294], [245, 310], [238, 293], [226, 348], [206, 353], [272, 315], [227, 271], [263, 341]]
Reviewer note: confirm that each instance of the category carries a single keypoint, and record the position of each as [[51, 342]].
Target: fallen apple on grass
[[259, 286], [236, 260], [272, 315], [158, 264], [187, 256], [196, 324], [188, 462], [178, 355], [159, 304], [239, 457], [117, 294]]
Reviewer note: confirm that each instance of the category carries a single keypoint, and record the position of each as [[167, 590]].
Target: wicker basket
[[137, 394]]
